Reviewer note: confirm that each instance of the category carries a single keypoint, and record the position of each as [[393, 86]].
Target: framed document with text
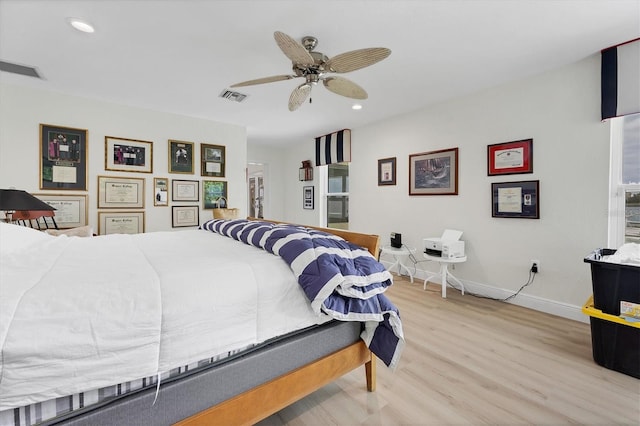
[[120, 193], [510, 158], [516, 199], [71, 210], [185, 190], [120, 223], [182, 216]]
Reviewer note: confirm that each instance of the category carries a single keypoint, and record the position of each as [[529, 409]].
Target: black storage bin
[[616, 346], [612, 282]]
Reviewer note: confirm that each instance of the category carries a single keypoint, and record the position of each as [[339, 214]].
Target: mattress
[[150, 302]]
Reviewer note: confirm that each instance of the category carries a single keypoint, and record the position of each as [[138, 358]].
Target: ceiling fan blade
[[344, 87], [264, 80], [356, 59], [299, 95], [294, 50]]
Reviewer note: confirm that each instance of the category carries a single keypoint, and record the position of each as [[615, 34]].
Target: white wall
[[23, 109], [560, 110]]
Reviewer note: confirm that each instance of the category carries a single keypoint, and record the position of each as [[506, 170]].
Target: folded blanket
[[339, 278]]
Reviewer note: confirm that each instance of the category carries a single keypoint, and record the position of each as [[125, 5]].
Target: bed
[[278, 353]]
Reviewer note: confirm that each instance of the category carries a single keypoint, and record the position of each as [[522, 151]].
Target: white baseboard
[[552, 307]]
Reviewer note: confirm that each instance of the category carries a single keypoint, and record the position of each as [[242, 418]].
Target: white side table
[[399, 255], [444, 271]]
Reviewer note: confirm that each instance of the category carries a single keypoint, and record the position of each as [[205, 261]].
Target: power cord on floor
[[532, 277]]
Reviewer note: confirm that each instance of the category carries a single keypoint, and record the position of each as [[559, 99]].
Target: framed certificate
[[71, 210], [120, 223], [182, 216], [516, 199], [510, 158], [185, 190], [120, 193]]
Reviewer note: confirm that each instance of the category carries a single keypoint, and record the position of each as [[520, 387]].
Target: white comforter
[[82, 313]]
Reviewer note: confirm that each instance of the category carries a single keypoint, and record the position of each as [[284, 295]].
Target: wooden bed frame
[[258, 403]]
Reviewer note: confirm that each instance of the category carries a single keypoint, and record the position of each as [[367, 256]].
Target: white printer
[[448, 245]]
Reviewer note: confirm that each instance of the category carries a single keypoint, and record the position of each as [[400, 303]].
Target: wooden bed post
[[370, 372]]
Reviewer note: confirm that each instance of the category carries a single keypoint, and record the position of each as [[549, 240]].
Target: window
[[337, 196], [624, 196]]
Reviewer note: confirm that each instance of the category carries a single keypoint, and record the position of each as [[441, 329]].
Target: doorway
[[255, 175]]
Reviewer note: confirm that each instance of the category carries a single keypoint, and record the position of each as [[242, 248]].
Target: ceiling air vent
[[19, 69], [232, 96]]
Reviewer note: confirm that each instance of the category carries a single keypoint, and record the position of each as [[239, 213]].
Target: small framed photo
[[120, 193], [160, 192], [180, 157], [307, 197], [182, 216], [434, 173], [120, 223], [185, 190], [516, 199], [214, 194], [510, 158], [387, 171], [128, 155], [63, 158], [212, 160], [71, 210]]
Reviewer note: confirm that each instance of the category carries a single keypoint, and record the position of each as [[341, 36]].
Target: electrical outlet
[[535, 262]]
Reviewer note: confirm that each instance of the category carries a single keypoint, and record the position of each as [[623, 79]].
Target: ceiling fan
[[315, 66]]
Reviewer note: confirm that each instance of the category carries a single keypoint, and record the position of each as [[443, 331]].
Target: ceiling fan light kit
[[316, 66]]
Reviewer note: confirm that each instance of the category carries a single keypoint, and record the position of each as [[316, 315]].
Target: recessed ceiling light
[[80, 25], [356, 106]]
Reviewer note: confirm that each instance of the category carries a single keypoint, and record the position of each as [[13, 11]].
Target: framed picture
[[434, 173], [510, 158], [63, 158], [128, 155], [214, 194], [516, 199], [185, 190], [307, 197], [212, 159], [71, 210], [182, 216], [387, 171], [120, 193], [160, 192], [180, 157], [120, 223]]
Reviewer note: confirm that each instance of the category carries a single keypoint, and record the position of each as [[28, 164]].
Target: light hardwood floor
[[477, 361]]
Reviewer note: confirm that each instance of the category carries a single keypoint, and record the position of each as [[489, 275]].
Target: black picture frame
[[387, 171], [516, 199], [63, 158]]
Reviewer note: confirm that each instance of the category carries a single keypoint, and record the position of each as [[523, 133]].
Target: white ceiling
[[177, 56]]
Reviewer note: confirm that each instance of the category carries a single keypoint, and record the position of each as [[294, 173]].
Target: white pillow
[[81, 231], [15, 237]]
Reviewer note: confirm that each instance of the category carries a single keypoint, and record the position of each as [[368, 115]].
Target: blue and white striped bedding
[[340, 279]]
